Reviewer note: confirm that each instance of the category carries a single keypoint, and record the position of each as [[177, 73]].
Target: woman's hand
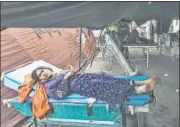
[[71, 71], [70, 67]]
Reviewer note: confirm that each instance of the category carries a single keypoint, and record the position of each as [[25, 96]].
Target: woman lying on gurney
[[99, 86], [59, 85]]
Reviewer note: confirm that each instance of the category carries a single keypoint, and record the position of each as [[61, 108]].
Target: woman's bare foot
[[141, 89], [149, 83]]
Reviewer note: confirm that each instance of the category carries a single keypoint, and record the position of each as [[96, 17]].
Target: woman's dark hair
[[34, 72]]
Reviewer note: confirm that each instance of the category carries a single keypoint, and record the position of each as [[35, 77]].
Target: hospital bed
[[73, 110]]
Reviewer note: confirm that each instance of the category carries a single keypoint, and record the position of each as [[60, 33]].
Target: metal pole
[[80, 48], [147, 64], [138, 118], [152, 32], [160, 48], [123, 116], [35, 122], [118, 54]]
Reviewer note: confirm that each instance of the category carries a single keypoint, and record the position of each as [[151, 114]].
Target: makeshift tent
[[59, 47], [86, 14], [12, 55]]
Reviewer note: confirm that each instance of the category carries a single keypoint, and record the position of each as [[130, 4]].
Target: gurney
[[73, 110]]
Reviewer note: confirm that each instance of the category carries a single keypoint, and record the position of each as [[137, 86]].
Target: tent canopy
[[86, 14]]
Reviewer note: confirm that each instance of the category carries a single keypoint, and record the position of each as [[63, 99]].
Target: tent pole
[[160, 46], [80, 48]]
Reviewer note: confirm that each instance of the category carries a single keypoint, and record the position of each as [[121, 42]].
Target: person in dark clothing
[[100, 86]]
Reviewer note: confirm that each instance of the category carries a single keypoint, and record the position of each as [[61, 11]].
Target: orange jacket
[[40, 104]]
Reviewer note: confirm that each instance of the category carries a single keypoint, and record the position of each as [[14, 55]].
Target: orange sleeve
[[40, 103], [25, 88]]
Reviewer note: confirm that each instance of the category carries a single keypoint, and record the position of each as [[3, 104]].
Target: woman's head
[[42, 73]]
